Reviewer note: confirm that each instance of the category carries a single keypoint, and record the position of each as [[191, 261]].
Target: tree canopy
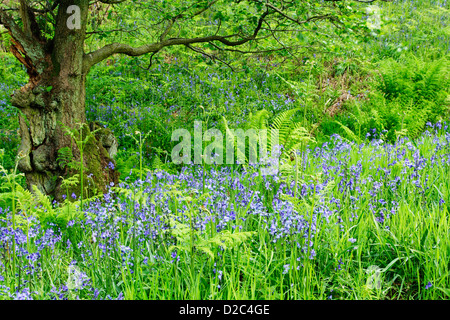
[[137, 27]]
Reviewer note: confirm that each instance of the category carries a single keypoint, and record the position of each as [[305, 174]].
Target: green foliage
[[126, 161], [349, 132], [347, 66], [415, 81], [201, 242], [415, 91], [65, 157], [69, 182], [12, 75], [293, 136], [80, 136], [48, 214], [36, 204], [140, 143], [259, 120], [158, 164], [410, 92]]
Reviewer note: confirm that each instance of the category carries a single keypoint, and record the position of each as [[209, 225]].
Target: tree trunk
[[43, 118], [54, 98]]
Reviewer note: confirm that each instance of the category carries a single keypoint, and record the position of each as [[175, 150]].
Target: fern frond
[[44, 201], [259, 120], [157, 164], [349, 132], [64, 157]]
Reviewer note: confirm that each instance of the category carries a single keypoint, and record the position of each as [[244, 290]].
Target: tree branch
[[168, 28], [212, 58], [30, 26], [47, 9], [258, 51], [281, 13], [95, 57], [23, 43], [111, 1]]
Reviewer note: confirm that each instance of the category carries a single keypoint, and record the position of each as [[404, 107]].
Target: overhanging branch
[[111, 1], [99, 55]]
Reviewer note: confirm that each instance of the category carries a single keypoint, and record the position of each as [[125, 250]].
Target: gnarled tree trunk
[[54, 98]]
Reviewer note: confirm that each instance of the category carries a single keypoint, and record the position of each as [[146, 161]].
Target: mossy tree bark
[[54, 98]]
